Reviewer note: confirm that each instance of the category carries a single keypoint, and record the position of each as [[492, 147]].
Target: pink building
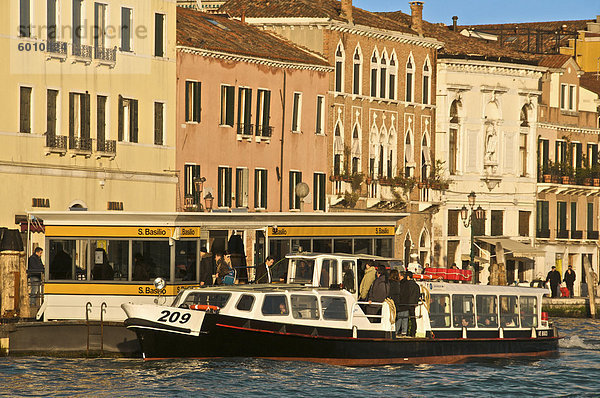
[[251, 112]]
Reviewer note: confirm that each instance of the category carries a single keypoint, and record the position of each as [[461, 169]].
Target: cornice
[[476, 66], [571, 129]]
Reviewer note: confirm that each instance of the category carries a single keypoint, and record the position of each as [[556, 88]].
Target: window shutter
[[125, 29], [71, 115], [86, 117], [315, 191], [240, 104], [230, 105], [267, 109], [51, 113], [573, 216], [158, 123], [25, 111], [545, 215], [158, 35], [248, 110], [101, 119], [291, 190], [356, 82], [197, 102], [590, 217], [321, 192], [187, 101], [264, 189], [220, 187], [373, 82], [256, 186], [121, 119], [134, 121], [228, 186]]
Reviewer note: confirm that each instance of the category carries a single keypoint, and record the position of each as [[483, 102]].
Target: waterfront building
[[250, 122], [380, 120], [568, 170], [88, 107], [487, 99]]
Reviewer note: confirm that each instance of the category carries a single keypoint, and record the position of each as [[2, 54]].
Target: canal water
[[574, 372]]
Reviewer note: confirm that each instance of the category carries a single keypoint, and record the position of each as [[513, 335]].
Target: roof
[[554, 61], [456, 44], [328, 9], [524, 36], [590, 81], [220, 34]]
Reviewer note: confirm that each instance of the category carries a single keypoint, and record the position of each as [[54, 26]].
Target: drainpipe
[[282, 140]]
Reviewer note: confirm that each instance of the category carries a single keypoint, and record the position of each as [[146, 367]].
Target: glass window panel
[[111, 259], [329, 273], [439, 310], [151, 259], [342, 246], [334, 308], [185, 260], [348, 279], [245, 303], [322, 246], [529, 312], [305, 307], [68, 259], [301, 245], [363, 246], [487, 311], [302, 271], [463, 310], [216, 299], [383, 247], [275, 305], [509, 311]]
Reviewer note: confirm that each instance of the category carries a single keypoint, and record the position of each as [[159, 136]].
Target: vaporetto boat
[[313, 317]]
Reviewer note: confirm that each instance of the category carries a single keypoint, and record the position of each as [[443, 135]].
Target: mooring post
[[591, 282]]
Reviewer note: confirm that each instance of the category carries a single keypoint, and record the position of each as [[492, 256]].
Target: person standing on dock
[[413, 292], [35, 270], [554, 278], [569, 279], [380, 290]]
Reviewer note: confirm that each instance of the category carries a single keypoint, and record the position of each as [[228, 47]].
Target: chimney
[[347, 10], [416, 20], [454, 23]]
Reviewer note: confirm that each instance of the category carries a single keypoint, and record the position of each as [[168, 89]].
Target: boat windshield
[[302, 270], [216, 299]]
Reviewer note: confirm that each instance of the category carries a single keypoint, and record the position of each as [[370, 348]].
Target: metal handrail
[[88, 309], [102, 311]]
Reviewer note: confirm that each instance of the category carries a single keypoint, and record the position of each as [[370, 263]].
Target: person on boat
[[402, 308], [263, 271], [413, 292], [554, 278], [367, 281], [570, 280], [223, 267], [207, 267], [395, 293], [380, 290], [348, 277]]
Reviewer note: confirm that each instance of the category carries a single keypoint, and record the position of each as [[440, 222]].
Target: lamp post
[[199, 187], [468, 216]]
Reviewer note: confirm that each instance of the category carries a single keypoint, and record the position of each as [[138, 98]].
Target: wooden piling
[[590, 277]]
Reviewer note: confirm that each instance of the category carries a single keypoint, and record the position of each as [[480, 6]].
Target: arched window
[[356, 150], [524, 116], [357, 72], [410, 79], [454, 112], [382, 75], [425, 159], [393, 73], [426, 82], [408, 155], [374, 70], [453, 138], [339, 68]]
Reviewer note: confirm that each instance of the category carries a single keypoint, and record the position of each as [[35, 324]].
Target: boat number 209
[[168, 316]]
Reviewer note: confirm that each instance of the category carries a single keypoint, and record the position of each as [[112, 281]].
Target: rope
[[392, 306]]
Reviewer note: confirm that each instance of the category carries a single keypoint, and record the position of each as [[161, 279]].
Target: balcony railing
[[543, 233], [592, 235], [264, 131], [56, 143], [245, 129], [107, 147], [80, 144], [106, 54], [564, 174], [56, 47], [82, 51], [562, 234], [576, 234]]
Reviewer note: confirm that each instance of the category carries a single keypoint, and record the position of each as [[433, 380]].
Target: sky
[[474, 12]]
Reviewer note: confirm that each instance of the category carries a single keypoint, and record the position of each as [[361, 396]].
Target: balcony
[[592, 235], [106, 56], [56, 144], [576, 234], [245, 131], [543, 233], [264, 133], [106, 148], [80, 146], [562, 234], [82, 53], [56, 49]]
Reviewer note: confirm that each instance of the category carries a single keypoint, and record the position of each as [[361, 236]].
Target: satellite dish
[[302, 190]]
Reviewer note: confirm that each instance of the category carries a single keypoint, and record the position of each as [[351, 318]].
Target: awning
[[516, 248]]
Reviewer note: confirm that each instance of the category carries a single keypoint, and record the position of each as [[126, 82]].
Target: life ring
[[204, 307]]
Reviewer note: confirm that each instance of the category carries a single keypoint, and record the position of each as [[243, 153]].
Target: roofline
[[582, 130], [341, 26], [254, 60], [507, 61]]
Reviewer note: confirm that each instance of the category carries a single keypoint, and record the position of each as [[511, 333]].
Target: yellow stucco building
[[587, 46], [88, 106]]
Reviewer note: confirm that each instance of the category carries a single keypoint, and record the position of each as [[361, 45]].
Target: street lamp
[[468, 216], [199, 187]]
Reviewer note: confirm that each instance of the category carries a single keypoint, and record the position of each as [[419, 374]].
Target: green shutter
[[71, 114], [133, 121], [121, 117]]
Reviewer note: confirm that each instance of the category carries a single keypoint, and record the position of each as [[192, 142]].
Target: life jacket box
[[463, 275]]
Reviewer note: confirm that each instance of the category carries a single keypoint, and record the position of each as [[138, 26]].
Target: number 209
[[168, 316]]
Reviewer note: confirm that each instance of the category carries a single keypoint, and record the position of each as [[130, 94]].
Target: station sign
[[121, 232], [333, 231]]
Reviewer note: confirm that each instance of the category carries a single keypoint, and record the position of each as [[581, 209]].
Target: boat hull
[[222, 337]]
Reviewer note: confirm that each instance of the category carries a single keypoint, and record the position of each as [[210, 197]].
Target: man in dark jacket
[[35, 270], [263, 272], [570, 280], [413, 292], [379, 291], [554, 278], [207, 269], [395, 294]]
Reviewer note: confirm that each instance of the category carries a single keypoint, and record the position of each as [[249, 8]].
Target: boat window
[[151, 259], [463, 309], [275, 305], [509, 311], [305, 307], [302, 271], [68, 259], [348, 276], [245, 303], [217, 299], [334, 308], [529, 312], [185, 260], [111, 259], [329, 272], [487, 311], [439, 310]]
